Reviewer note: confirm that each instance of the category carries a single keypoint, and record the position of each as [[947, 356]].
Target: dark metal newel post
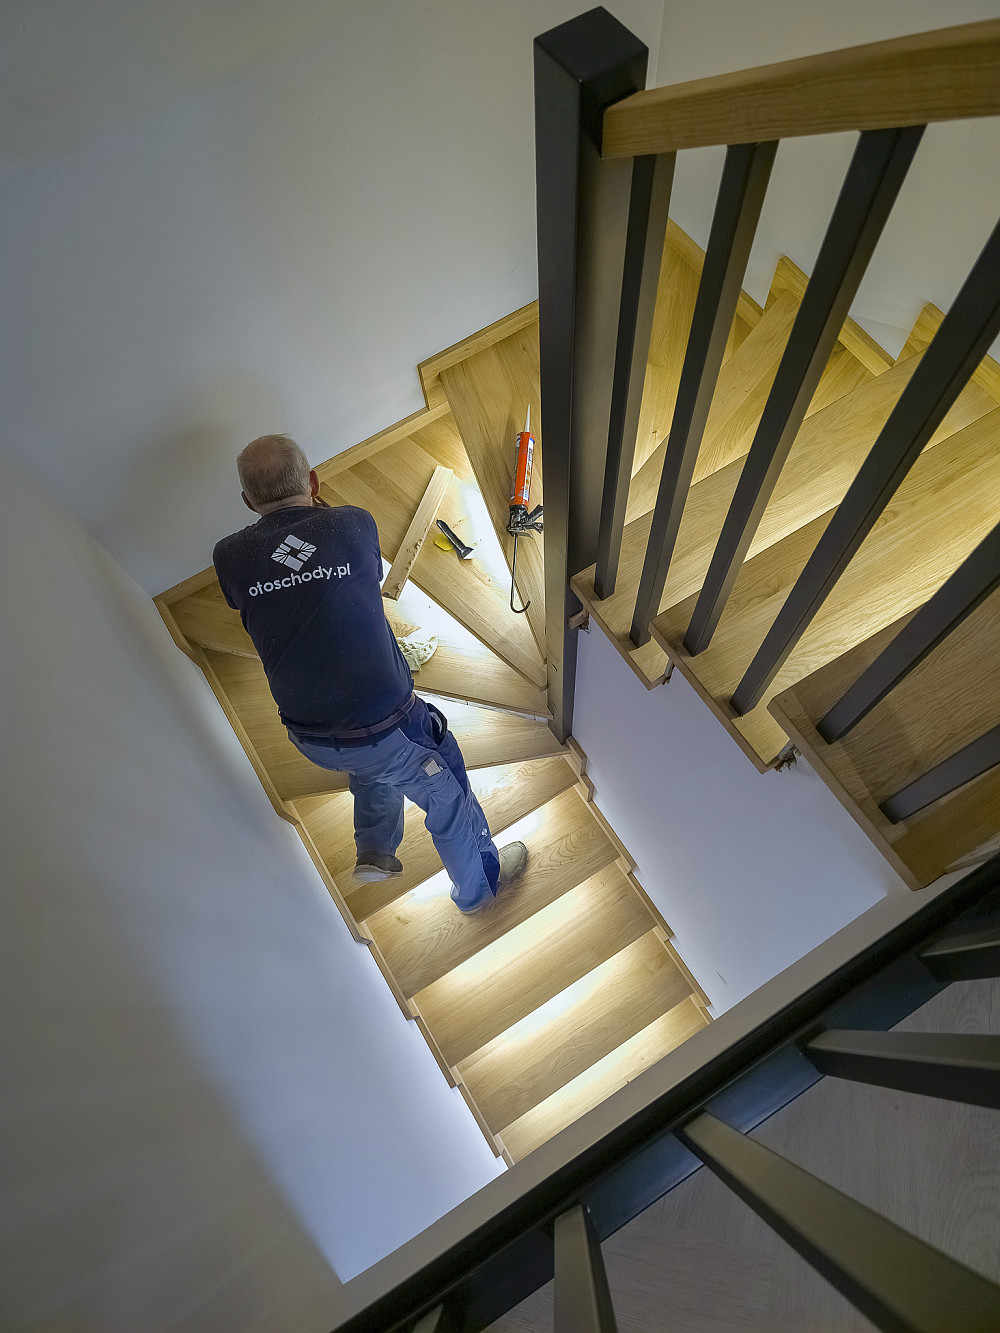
[[581, 68]]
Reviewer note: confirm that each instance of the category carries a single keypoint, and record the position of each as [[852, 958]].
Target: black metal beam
[[969, 586], [873, 181], [979, 756], [582, 1296], [896, 1280], [745, 175], [961, 342], [581, 67], [652, 179], [955, 1066], [964, 955]]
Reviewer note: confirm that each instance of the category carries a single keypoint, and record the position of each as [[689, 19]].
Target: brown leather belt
[[361, 733]]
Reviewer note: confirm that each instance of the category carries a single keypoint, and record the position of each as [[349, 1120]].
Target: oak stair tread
[[422, 936], [507, 793], [847, 417], [603, 1078], [486, 736], [949, 699], [582, 1023], [515, 975], [943, 508], [488, 394], [744, 384], [476, 592]]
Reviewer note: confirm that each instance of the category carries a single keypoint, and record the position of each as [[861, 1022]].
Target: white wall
[[751, 870], [208, 243], [212, 1107], [949, 203]]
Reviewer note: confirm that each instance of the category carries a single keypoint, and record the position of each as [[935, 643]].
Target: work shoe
[[372, 866], [513, 860]]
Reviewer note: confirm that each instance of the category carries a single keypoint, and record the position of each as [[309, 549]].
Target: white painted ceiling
[[225, 217]]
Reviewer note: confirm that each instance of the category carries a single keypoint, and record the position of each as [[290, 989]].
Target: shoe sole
[[372, 874]]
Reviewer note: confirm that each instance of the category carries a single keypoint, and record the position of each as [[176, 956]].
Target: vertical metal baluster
[[652, 178], [959, 345], [974, 580], [745, 174], [897, 1281], [957, 1066], [582, 1296], [972, 760], [874, 178]]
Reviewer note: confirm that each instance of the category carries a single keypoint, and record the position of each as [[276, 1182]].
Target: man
[[305, 579]]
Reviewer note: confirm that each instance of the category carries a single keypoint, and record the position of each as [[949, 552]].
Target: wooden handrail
[[948, 74]]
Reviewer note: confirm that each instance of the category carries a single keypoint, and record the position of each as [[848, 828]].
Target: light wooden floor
[[700, 1261]]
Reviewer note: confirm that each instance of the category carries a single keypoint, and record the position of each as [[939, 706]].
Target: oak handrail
[[948, 74]]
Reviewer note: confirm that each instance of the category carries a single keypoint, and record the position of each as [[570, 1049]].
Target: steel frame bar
[[435, 1321], [582, 1296], [745, 175], [652, 180], [974, 580], [961, 342], [957, 1067], [966, 956], [959, 768], [581, 67], [896, 1280], [871, 186]]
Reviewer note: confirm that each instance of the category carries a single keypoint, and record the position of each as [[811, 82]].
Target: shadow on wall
[[131, 1201], [171, 484], [214, 1110]]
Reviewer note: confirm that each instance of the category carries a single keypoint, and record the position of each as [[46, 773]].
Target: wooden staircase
[[947, 504], [567, 987]]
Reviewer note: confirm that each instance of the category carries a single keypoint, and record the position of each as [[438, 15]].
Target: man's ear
[[313, 483], [243, 497]]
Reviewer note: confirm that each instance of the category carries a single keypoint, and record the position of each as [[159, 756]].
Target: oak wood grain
[[425, 937], [946, 74], [489, 393], [624, 992], [536, 960], [416, 534], [606, 1076]]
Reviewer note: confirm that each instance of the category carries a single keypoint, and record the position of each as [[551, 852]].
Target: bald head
[[273, 470]]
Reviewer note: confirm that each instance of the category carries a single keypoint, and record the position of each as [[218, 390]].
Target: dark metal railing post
[[745, 175], [581, 68], [874, 178], [893, 1278], [959, 345], [582, 1296], [974, 580], [971, 761], [652, 178], [957, 1066]]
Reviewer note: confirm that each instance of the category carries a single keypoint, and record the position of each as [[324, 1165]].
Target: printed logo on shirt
[[293, 580], [293, 552]]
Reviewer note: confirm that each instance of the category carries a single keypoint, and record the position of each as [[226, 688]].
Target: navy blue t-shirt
[[305, 581]]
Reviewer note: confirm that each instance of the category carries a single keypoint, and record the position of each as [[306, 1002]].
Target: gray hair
[[272, 468]]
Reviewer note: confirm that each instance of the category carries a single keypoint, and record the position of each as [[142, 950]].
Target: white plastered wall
[[211, 238], [948, 205], [213, 1110]]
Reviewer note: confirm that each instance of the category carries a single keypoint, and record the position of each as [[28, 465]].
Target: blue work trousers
[[419, 759]]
